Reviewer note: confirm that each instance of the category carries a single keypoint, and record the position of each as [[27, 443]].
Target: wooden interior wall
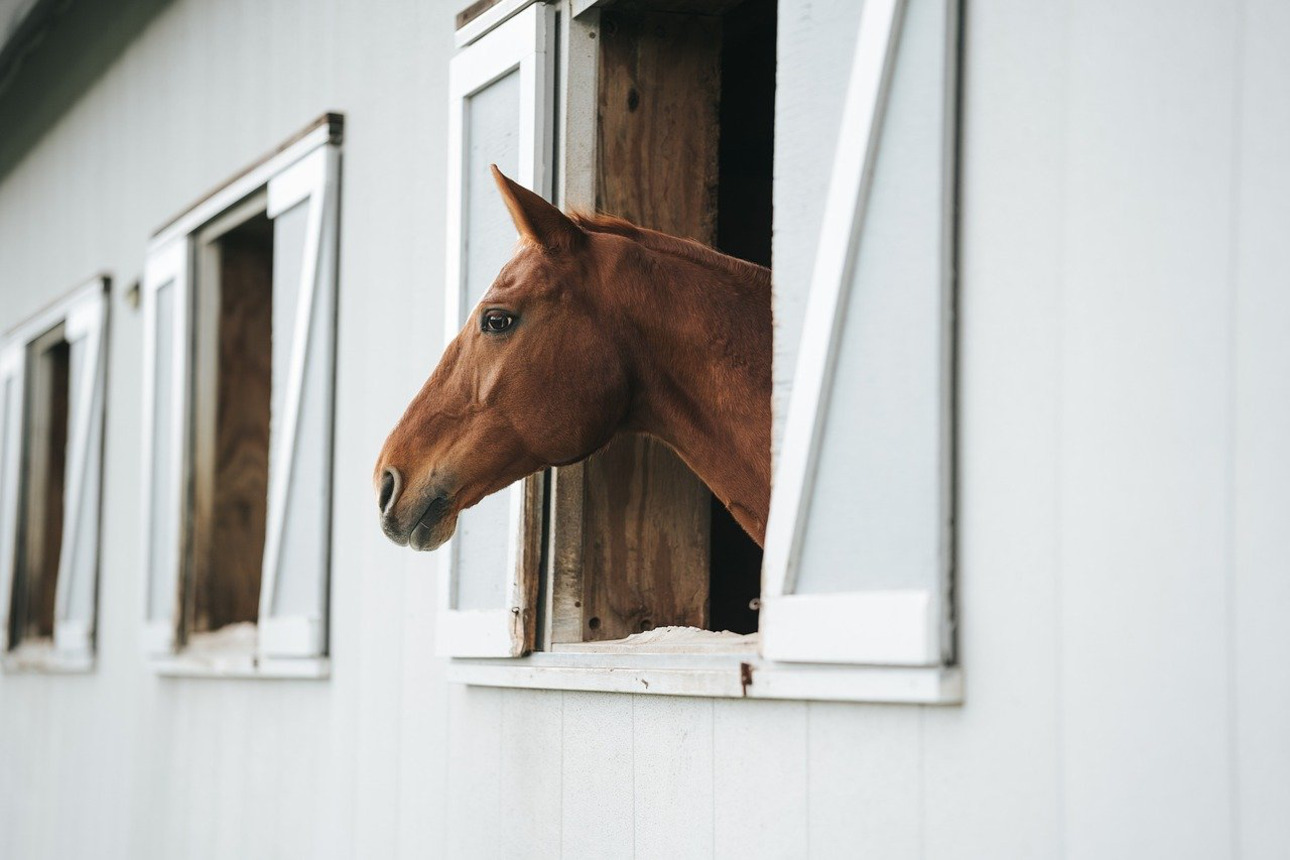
[[36, 586], [227, 579], [646, 518]]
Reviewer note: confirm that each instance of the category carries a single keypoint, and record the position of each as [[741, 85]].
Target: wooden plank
[[760, 800], [423, 713], [302, 777], [1259, 587], [474, 772], [231, 482], [378, 661], [473, 11], [864, 781], [660, 92], [481, 19], [531, 536], [992, 775], [576, 188], [44, 466], [234, 737], [597, 766], [713, 675], [529, 788], [646, 516], [564, 621], [672, 777], [645, 542], [1146, 392]]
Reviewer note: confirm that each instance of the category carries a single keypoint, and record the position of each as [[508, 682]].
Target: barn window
[[667, 118], [239, 303], [684, 140], [859, 546], [612, 519], [51, 431], [500, 94]]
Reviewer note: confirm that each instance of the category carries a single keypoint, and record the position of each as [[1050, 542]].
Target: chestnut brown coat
[[595, 327]]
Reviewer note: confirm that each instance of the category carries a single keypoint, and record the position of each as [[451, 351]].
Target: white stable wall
[[1124, 483], [122, 763]]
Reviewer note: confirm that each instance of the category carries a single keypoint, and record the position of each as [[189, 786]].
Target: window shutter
[[85, 330], [858, 550], [11, 378], [166, 360], [294, 582], [501, 91]]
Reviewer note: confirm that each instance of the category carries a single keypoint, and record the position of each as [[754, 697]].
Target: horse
[[594, 328]]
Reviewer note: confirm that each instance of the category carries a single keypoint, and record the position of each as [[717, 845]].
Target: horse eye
[[497, 321]]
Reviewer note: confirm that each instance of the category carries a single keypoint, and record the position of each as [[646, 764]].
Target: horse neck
[[702, 329]]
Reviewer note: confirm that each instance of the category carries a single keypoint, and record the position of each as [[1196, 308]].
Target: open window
[[239, 312], [667, 118], [500, 109], [52, 375], [658, 97], [684, 144], [859, 545]]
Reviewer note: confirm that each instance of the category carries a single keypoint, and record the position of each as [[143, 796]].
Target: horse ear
[[537, 220]]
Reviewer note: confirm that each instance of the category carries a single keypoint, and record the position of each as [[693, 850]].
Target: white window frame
[[315, 177], [899, 627], [879, 646], [524, 41], [306, 168], [84, 316]]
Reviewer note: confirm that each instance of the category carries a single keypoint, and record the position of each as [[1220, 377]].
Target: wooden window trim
[[904, 659], [478, 19], [306, 168], [82, 316], [727, 676], [911, 627], [524, 42]]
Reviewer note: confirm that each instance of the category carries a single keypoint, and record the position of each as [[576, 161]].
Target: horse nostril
[[389, 489]]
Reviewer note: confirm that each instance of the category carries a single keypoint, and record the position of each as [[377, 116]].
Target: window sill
[[669, 640], [183, 665], [230, 652], [714, 675], [42, 657]]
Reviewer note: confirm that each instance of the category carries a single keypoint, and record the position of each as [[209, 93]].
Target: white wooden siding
[[993, 772], [1126, 202], [1144, 474], [1258, 589]]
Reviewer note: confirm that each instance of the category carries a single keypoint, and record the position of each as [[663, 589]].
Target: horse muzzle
[[424, 525], [434, 526]]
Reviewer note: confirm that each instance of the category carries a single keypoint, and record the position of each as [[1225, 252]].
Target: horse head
[[534, 378]]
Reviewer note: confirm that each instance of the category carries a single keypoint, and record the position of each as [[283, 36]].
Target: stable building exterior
[[1024, 581]]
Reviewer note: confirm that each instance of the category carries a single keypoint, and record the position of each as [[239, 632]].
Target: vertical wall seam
[[712, 745], [635, 839], [563, 697], [498, 792], [1233, 401], [401, 660], [1059, 343], [921, 790], [806, 769]]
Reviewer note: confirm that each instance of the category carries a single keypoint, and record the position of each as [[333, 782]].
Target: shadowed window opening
[[685, 145], [233, 371], [44, 458]]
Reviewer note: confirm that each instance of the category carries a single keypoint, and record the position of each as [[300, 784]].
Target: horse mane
[[673, 246]]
